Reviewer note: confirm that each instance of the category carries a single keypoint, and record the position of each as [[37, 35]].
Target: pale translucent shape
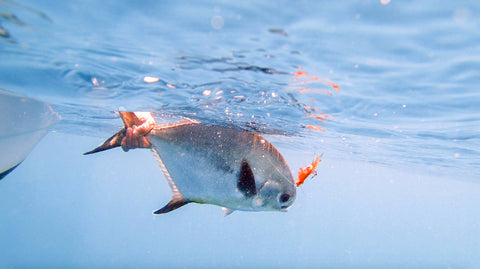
[[23, 122]]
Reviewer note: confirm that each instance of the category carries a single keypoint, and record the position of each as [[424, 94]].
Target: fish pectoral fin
[[246, 180], [176, 202], [227, 211]]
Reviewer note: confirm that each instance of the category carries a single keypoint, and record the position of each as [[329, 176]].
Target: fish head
[[267, 186], [274, 196]]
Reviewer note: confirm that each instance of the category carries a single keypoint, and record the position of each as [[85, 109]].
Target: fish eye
[[284, 198]]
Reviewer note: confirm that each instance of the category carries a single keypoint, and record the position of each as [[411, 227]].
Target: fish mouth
[[284, 208]]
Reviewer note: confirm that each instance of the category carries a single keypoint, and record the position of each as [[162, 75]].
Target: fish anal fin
[[177, 198], [172, 205]]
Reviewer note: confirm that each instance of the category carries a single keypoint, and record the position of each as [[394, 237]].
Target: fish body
[[218, 165]]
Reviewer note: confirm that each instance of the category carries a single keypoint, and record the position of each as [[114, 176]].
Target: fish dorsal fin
[[183, 122], [246, 180], [227, 211], [177, 198]]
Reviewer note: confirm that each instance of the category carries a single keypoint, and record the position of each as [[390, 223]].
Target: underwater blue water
[[387, 90]]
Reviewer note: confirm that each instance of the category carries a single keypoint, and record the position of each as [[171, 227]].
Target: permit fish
[[210, 164]]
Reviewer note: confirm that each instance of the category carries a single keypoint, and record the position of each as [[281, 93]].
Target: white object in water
[[23, 122]]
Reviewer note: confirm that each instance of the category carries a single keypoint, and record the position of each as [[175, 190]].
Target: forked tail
[[129, 119]]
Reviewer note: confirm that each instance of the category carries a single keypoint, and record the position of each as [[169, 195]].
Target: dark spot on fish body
[[246, 180]]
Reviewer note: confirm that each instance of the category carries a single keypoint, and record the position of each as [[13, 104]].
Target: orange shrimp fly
[[306, 171]]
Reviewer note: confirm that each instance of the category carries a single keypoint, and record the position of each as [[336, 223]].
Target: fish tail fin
[[112, 142], [129, 119]]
